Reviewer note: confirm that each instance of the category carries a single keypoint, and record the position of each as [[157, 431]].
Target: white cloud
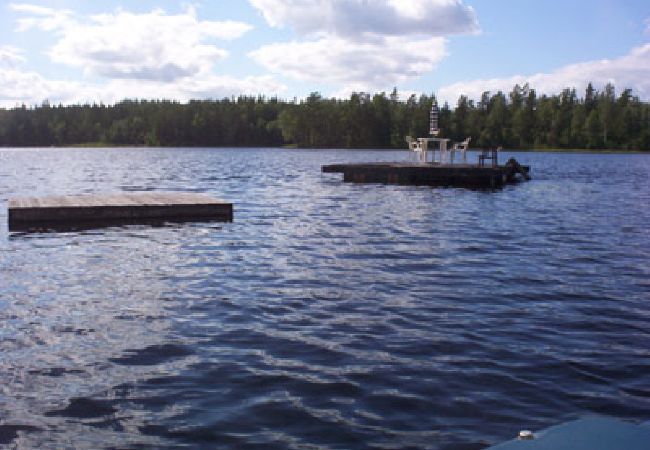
[[152, 46], [19, 86], [10, 56], [46, 19], [208, 87], [361, 45], [629, 71], [144, 56], [355, 66], [381, 17], [16, 85]]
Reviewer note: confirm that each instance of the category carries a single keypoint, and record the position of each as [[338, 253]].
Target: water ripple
[[327, 315]]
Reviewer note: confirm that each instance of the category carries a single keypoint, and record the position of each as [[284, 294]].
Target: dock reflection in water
[[327, 315]]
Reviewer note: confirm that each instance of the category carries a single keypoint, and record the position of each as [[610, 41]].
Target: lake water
[[327, 315]]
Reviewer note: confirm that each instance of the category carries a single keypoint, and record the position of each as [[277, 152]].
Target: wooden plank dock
[[90, 211], [430, 174]]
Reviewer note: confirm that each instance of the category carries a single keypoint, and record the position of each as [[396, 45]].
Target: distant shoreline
[[575, 150], [100, 146]]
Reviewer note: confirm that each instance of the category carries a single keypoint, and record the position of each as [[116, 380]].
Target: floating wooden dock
[[431, 174], [90, 211]]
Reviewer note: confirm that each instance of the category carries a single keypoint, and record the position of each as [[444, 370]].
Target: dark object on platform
[[491, 154], [91, 211], [432, 174]]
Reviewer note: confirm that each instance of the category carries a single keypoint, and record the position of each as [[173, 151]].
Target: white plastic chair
[[462, 148]]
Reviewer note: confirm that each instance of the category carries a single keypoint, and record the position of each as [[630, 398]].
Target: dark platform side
[[431, 174], [92, 211]]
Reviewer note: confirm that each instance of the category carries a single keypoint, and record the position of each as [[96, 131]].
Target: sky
[[78, 51]]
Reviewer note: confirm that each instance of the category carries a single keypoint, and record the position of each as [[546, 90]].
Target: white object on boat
[[592, 433], [526, 435]]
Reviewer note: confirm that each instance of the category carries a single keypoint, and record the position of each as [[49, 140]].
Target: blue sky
[[71, 51]]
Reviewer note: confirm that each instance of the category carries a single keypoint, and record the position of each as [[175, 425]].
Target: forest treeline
[[518, 119]]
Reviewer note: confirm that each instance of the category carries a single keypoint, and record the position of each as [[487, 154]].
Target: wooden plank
[[126, 207]]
